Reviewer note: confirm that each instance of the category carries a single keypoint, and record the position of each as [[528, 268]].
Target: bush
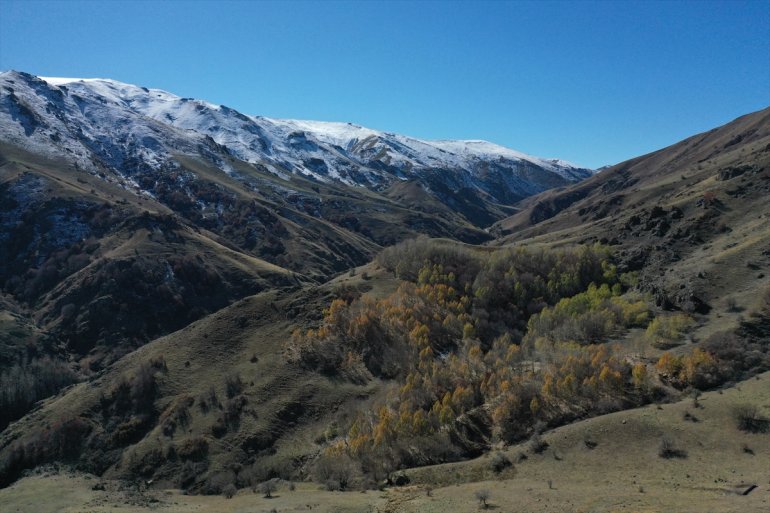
[[749, 419], [189, 472], [233, 409], [229, 491], [233, 386], [668, 331], [130, 430], [218, 482], [268, 487], [536, 444], [195, 449], [63, 440], [483, 496], [668, 449], [499, 462], [336, 471], [176, 414]]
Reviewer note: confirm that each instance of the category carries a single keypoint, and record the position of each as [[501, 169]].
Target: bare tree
[[268, 487], [483, 496]]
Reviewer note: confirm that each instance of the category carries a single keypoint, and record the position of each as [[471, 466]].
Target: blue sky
[[591, 82]]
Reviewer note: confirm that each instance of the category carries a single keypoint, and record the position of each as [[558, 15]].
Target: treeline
[[25, 383], [95, 441]]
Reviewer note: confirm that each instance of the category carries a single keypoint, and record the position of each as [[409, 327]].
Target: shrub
[[665, 332], [196, 448], [536, 444], [483, 497], [130, 430], [336, 471], [219, 428], [233, 409], [218, 482], [749, 419], [689, 416], [233, 385], [229, 491], [209, 400], [499, 462], [63, 440], [668, 449], [189, 472], [176, 414], [268, 487]]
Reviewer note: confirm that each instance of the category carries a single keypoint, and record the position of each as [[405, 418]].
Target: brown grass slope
[[605, 464], [692, 217], [218, 401]]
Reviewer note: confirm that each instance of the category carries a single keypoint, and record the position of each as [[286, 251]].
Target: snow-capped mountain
[[105, 123]]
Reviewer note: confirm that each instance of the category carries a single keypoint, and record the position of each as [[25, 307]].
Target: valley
[[195, 302]]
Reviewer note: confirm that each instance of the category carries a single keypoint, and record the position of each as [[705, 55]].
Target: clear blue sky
[[591, 82]]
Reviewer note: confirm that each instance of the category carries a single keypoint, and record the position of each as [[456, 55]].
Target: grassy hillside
[[222, 382], [606, 464], [243, 395], [692, 218]]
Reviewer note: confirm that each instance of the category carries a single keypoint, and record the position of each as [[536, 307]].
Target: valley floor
[[622, 472]]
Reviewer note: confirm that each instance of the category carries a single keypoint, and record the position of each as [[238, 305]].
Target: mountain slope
[[85, 165], [127, 213], [226, 399], [136, 131], [691, 217], [293, 144]]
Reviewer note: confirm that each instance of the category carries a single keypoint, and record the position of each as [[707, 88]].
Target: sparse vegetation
[[748, 418], [668, 449], [499, 462], [268, 487], [483, 497], [667, 331], [229, 491]]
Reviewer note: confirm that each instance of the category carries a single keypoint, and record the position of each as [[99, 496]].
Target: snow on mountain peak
[[164, 106], [109, 110]]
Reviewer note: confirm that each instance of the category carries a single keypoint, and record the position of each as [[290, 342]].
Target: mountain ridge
[[342, 134], [147, 126]]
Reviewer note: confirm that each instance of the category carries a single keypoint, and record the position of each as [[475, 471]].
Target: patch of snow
[[124, 124]]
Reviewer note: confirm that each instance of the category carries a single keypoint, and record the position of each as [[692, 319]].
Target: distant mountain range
[[128, 131]]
